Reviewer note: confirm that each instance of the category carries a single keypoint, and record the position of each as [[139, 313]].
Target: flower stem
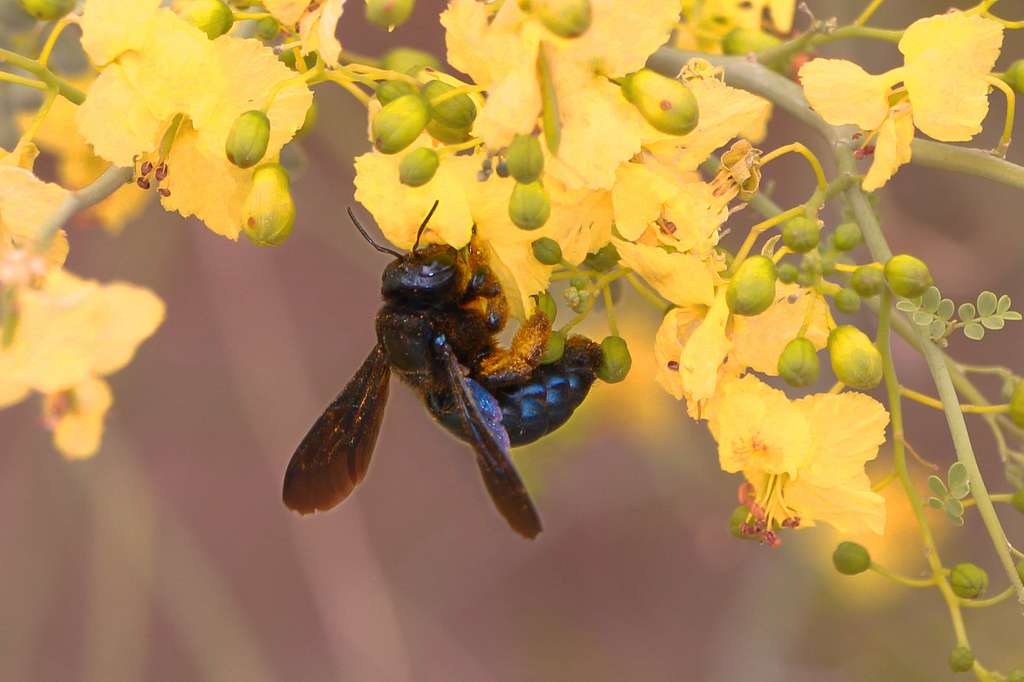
[[868, 12], [991, 601], [937, 404], [102, 187], [798, 148], [1011, 106], [44, 74], [762, 227], [51, 41], [647, 293], [901, 579]]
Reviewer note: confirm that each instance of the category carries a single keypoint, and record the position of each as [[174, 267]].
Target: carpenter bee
[[442, 311]]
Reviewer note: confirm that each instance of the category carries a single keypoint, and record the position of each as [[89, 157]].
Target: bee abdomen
[[535, 409]]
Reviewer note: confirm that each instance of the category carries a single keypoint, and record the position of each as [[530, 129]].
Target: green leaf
[[967, 312], [937, 486], [922, 318], [954, 509], [1011, 315], [959, 484], [1003, 305], [937, 329], [946, 309], [987, 303], [930, 300], [907, 306], [974, 331], [993, 322], [935, 503]]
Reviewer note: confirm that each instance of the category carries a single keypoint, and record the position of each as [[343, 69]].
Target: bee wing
[[490, 441], [335, 454]]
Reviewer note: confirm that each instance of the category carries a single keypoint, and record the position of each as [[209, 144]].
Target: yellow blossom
[[76, 417], [707, 22], [682, 278], [26, 205], [316, 22], [758, 341]]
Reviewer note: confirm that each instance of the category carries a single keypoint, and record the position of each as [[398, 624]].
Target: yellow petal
[[112, 27], [318, 31], [681, 278], [844, 93], [512, 108], [639, 196], [892, 149], [78, 432], [758, 341], [675, 329], [288, 12], [138, 129], [696, 214], [704, 353], [782, 14], [948, 58], [581, 220], [487, 50], [26, 205]]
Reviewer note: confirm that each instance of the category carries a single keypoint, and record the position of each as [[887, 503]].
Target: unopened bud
[[389, 91], [855, 360], [47, 10], [666, 103], [604, 259], [388, 13], [847, 236], [1017, 404], [752, 289], [798, 363], [968, 581], [456, 112], [269, 211], [529, 206], [615, 360], [546, 304], [847, 300], [851, 558], [961, 659], [248, 139], [1018, 500], [447, 134], [399, 123], [212, 17], [525, 158], [267, 28], [907, 276], [418, 167], [407, 60], [1015, 76], [565, 18], [867, 281], [746, 40], [547, 251], [787, 273], [555, 348], [801, 234]]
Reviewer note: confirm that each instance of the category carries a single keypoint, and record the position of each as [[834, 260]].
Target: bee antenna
[[423, 225], [368, 238]]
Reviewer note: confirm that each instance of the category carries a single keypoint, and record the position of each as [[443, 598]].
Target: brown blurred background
[[169, 556]]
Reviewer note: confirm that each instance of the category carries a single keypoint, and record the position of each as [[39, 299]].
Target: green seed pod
[[615, 360], [418, 167], [47, 10], [867, 281], [547, 251], [212, 17], [399, 123], [847, 236], [389, 91], [388, 13], [456, 112], [525, 158], [907, 276], [851, 558], [752, 289], [267, 28], [787, 273], [555, 348], [408, 60], [798, 364], [961, 660], [546, 304], [269, 211], [248, 139], [666, 103], [446, 134], [1015, 76], [847, 300], [801, 234], [968, 581], [565, 18], [736, 520], [1018, 500], [529, 206], [855, 360], [604, 259], [746, 40], [1017, 404]]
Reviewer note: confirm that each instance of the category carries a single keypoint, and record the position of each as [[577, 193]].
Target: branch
[[44, 74], [102, 187]]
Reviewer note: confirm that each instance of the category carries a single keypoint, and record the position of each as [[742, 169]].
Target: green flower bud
[[961, 660], [248, 139], [267, 28], [565, 18], [798, 364], [1017, 404], [1018, 500], [746, 40], [907, 276], [47, 10], [604, 259], [546, 304], [408, 60], [855, 360], [787, 273], [847, 236], [547, 251], [847, 300], [867, 281], [828, 263], [615, 360], [288, 58], [399, 123], [456, 112], [1015, 76], [801, 234], [666, 103], [752, 289], [389, 91], [968, 581], [388, 13], [529, 207], [851, 558], [555, 348], [212, 17], [525, 158], [447, 134], [736, 520], [418, 167], [269, 211], [1015, 676]]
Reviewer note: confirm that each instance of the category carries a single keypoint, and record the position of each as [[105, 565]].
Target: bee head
[[428, 276]]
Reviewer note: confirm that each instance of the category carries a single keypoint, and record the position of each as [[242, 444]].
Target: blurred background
[[169, 556]]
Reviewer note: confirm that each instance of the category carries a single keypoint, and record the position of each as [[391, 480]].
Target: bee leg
[[515, 364]]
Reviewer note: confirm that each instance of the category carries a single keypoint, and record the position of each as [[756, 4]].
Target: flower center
[[768, 511]]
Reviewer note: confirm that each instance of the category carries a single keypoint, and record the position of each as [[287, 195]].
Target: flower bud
[[666, 103], [1018, 500], [855, 360], [47, 10], [525, 158], [907, 276], [555, 348], [615, 360], [456, 112], [447, 134], [546, 304], [529, 207], [798, 363], [1015, 76], [752, 289], [565, 18], [801, 234], [746, 40], [212, 17], [968, 581], [418, 167], [604, 259], [248, 139], [847, 300], [737, 520], [851, 558], [407, 60], [961, 659], [388, 13], [389, 91], [867, 281], [787, 273], [267, 28], [1017, 404], [547, 251], [399, 123], [847, 236], [269, 211]]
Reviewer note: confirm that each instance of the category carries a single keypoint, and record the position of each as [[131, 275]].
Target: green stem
[[902, 579], [820, 35], [102, 187], [67, 90], [991, 601]]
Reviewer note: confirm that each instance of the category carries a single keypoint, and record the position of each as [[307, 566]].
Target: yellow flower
[[682, 278], [26, 205], [316, 21], [947, 61], [76, 417], [166, 85], [706, 22]]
